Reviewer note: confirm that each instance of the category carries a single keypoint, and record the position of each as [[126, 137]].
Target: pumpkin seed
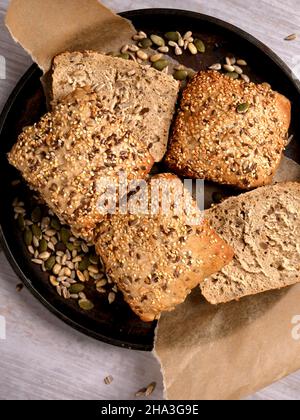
[[70, 246], [160, 65], [86, 304], [172, 36], [145, 43], [43, 245], [233, 75], [36, 230], [200, 45], [192, 48], [65, 235], [180, 75], [49, 264], [21, 222], [28, 236], [76, 288], [125, 56], [53, 280], [243, 108], [36, 215], [94, 259], [55, 223], [157, 40], [84, 264]]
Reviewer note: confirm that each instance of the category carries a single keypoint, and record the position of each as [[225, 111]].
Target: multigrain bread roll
[[263, 227], [156, 259], [229, 131], [66, 155], [143, 99]]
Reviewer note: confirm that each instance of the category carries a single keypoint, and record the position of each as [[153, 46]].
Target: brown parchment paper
[[230, 351], [46, 28], [206, 352]]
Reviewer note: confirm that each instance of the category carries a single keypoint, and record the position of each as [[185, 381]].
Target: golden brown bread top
[[214, 139], [157, 259], [72, 148]]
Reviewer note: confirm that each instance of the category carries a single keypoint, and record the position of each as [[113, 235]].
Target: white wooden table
[[42, 358]]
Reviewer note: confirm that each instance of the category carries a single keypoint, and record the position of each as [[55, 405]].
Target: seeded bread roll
[[263, 227], [143, 99], [66, 155], [229, 131], [156, 259]]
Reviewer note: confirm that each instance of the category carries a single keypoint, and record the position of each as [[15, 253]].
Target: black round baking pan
[[116, 324]]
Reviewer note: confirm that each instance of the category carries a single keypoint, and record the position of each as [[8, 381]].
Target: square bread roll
[[71, 150], [142, 98], [229, 131], [156, 259]]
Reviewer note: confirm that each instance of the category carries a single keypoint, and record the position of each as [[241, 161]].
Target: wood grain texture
[[42, 358]]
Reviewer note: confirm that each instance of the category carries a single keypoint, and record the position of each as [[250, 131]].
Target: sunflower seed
[[19, 287], [86, 275], [111, 297], [124, 49], [74, 296], [238, 70], [290, 139], [173, 44], [228, 68], [37, 261], [233, 75], [245, 78], [187, 35], [93, 269], [50, 232], [101, 283], [66, 283], [142, 55], [192, 48], [291, 37], [59, 290], [56, 269], [216, 67], [181, 42], [157, 40], [31, 250], [15, 183], [51, 246], [242, 63], [108, 380], [150, 389], [66, 293], [178, 50], [45, 256], [156, 57], [67, 272], [77, 259], [19, 210], [85, 304], [163, 50], [133, 48], [81, 276]]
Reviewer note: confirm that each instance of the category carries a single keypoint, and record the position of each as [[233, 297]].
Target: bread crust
[[212, 140], [70, 150], [156, 260]]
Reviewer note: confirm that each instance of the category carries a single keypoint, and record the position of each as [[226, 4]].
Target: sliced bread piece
[[229, 131], [263, 227], [144, 99], [156, 259], [71, 155]]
